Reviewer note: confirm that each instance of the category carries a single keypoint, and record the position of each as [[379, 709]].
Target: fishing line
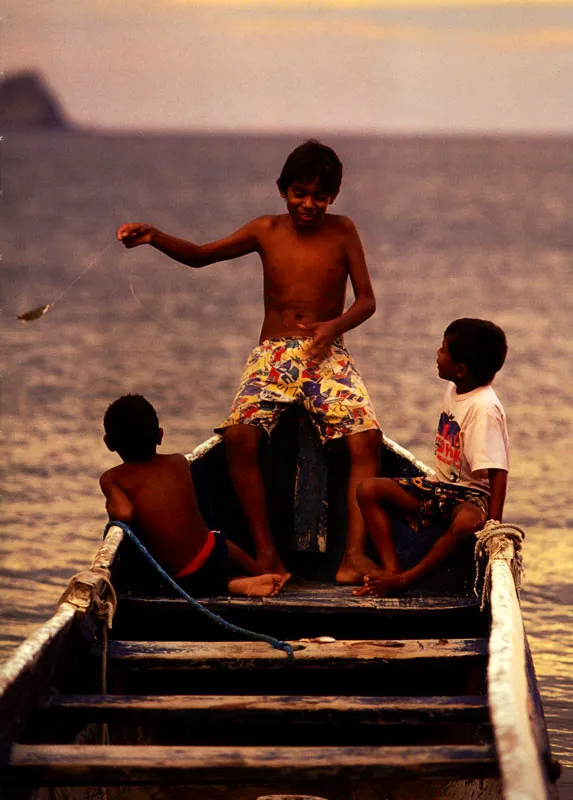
[[39, 311], [145, 309]]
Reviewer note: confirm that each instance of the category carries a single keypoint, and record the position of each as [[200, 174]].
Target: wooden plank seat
[[322, 597], [261, 720], [250, 709], [302, 610], [245, 655], [119, 764], [389, 666]]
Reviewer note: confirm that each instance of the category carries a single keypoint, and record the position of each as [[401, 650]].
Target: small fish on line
[[34, 313], [39, 311]]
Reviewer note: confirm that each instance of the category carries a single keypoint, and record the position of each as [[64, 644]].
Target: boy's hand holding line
[[133, 234]]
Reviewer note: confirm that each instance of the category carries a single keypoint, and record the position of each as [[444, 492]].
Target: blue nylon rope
[[276, 643]]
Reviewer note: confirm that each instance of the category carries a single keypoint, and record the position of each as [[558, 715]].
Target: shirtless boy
[[307, 257], [155, 494]]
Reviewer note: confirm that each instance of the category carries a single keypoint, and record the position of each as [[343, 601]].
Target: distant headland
[[28, 103]]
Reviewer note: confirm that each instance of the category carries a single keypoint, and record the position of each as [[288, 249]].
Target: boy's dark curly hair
[[132, 427], [309, 161], [479, 344]]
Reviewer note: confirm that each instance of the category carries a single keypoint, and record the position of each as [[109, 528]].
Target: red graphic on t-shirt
[[448, 444]]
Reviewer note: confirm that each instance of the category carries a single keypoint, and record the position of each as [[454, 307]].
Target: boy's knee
[[365, 492], [371, 490], [468, 519]]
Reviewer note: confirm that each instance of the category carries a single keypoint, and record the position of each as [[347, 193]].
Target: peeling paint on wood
[[241, 655], [508, 692]]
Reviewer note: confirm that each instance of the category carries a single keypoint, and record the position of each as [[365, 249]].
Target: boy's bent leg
[[242, 448], [374, 496], [364, 452], [467, 518]]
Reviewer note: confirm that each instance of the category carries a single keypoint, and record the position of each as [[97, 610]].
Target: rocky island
[[27, 103]]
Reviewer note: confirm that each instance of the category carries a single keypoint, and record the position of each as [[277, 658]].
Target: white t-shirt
[[471, 437]]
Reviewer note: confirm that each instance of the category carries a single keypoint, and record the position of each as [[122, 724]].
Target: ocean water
[[451, 227]]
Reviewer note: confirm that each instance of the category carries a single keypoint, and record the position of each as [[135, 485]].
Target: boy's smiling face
[[307, 203]]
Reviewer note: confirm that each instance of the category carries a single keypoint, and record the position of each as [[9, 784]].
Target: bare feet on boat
[[266, 585], [381, 585], [353, 569]]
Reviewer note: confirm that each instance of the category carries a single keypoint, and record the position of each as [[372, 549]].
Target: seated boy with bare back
[[472, 461], [307, 257], [155, 494]]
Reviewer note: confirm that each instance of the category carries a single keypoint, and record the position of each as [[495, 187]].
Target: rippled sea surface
[[452, 227]]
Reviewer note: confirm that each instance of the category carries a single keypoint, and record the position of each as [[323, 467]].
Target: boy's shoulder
[[111, 475], [267, 222]]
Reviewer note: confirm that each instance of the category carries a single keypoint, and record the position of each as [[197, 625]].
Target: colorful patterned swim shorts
[[438, 500], [278, 373]]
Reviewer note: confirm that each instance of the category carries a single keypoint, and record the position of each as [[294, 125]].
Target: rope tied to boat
[[92, 589], [276, 643], [497, 540]]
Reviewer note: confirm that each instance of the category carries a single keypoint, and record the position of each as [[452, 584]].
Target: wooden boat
[[420, 696]]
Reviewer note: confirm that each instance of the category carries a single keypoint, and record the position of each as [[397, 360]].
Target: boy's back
[[160, 494]]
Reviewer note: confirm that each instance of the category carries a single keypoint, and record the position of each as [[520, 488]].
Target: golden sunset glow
[[319, 26], [368, 4]]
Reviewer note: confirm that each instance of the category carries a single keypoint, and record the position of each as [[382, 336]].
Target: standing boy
[[155, 494], [471, 460], [307, 257]]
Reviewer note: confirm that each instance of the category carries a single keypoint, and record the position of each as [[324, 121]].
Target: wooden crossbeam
[[252, 709], [244, 655], [101, 765], [322, 598]]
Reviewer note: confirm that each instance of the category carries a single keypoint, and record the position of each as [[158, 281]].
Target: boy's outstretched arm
[[498, 491], [243, 241], [117, 503]]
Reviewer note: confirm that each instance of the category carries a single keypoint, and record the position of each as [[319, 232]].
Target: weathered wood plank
[[323, 598], [246, 709], [242, 655], [521, 762], [96, 765]]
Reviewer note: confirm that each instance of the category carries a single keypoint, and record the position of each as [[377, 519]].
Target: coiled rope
[[491, 541], [276, 643]]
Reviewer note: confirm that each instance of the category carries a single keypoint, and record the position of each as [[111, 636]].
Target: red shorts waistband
[[200, 558]]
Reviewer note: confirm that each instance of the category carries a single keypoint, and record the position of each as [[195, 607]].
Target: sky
[[301, 65]]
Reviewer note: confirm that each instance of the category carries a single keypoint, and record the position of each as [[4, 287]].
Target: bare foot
[[381, 585], [354, 568], [266, 585]]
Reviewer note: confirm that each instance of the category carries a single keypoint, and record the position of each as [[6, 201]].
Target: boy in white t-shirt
[[471, 460]]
